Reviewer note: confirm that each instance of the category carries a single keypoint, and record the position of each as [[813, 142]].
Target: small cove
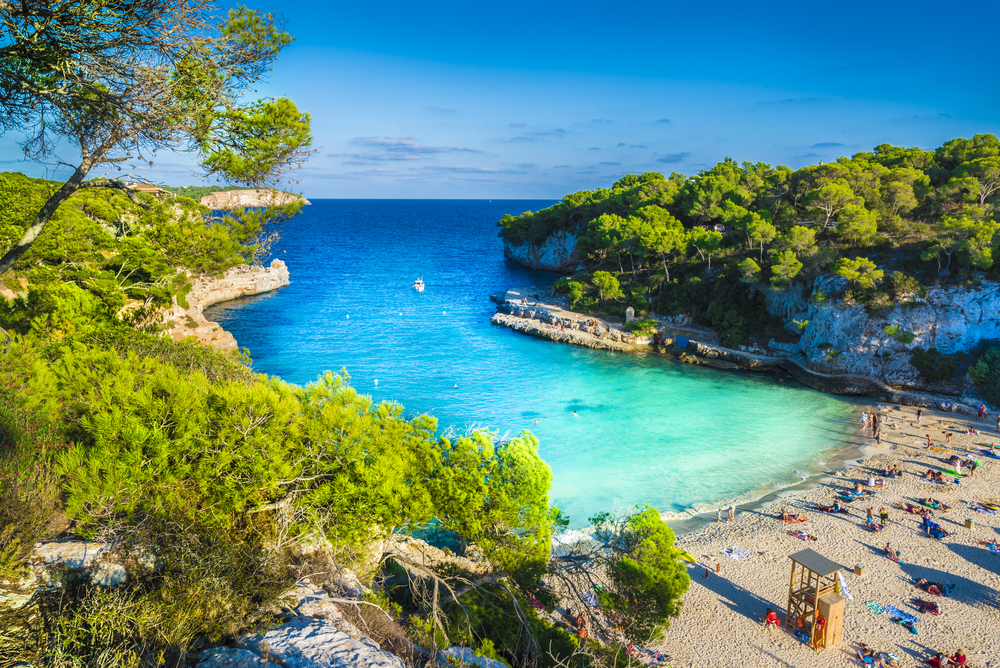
[[645, 429]]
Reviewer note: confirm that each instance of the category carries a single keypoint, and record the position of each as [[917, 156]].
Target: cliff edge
[[236, 199], [240, 281], [557, 253]]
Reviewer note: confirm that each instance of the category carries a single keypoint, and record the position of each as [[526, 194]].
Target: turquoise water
[[646, 430]]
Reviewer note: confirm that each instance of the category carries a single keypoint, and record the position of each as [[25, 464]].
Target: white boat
[[418, 285]]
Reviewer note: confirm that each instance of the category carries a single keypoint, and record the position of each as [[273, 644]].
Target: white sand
[[720, 624]]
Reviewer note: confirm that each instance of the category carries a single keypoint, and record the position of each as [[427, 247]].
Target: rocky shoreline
[[241, 281], [551, 320]]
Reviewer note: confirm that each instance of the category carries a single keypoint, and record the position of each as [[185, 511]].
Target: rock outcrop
[[845, 339], [237, 199], [239, 281], [557, 253], [315, 635]]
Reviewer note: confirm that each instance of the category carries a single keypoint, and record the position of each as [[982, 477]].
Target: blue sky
[[537, 99]]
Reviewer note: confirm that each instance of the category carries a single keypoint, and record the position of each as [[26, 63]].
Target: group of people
[[872, 420], [956, 660], [968, 463], [934, 476], [883, 518], [891, 472]]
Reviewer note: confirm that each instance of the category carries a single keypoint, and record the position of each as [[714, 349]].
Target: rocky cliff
[[557, 253], [235, 199], [842, 338], [239, 281]]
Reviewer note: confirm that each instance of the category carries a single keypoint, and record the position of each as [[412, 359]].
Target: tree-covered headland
[[217, 488], [891, 222]]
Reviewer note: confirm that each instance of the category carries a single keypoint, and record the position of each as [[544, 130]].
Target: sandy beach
[[720, 625]]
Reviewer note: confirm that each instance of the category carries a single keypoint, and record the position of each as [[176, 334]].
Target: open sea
[[646, 431]]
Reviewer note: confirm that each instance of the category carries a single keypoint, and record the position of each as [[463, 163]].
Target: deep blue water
[[646, 430]]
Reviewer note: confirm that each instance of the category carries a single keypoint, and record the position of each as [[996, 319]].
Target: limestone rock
[[318, 604], [75, 554], [466, 657], [424, 554], [239, 281], [311, 643], [950, 319], [235, 199], [557, 253], [227, 657]]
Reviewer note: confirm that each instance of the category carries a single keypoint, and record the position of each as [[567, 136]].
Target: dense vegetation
[[888, 222]]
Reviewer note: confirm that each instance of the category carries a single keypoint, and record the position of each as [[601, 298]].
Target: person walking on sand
[[982, 412], [878, 437], [732, 512], [929, 444], [718, 515], [864, 420], [920, 412]]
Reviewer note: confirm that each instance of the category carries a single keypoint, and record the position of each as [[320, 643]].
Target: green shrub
[[572, 289], [986, 371], [902, 336], [933, 365], [643, 327]]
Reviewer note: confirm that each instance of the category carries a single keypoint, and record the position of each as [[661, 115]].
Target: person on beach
[[771, 619], [929, 443], [982, 412], [947, 438], [884, 516], [957, 659], [870, 515], [732, 512], [921, 412], [718, 515], [878, 436], [864, 420], [895, 471], [998, 421]]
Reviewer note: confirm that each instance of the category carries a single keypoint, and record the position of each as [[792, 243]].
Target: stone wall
[[557, 253], [239, 281]]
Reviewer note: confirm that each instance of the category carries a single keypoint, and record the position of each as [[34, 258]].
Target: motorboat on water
[[418, 285]]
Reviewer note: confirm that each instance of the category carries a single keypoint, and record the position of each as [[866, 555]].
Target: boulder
[[227, 657], [78, 554], [304, 642]]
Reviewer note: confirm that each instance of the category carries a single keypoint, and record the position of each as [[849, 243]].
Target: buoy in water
[[376, 381]]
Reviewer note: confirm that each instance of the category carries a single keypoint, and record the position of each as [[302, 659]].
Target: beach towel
[[801, 519], [875, 607], [982, 509], [899, 615], [590, 598], [736, 553], [843, 586]]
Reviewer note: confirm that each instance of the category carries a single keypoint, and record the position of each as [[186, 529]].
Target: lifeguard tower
[[814, 597]]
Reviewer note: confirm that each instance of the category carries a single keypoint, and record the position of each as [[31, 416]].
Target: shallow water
[[645, 429]]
